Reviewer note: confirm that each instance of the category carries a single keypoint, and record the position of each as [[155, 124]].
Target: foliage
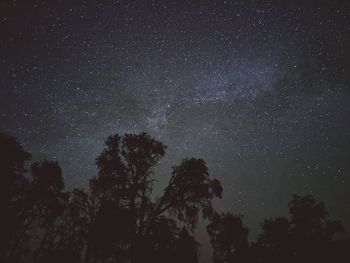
[[118, 219], [309, 236], [229, 238]]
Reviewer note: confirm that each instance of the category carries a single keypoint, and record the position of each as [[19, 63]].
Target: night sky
[[259, 89]]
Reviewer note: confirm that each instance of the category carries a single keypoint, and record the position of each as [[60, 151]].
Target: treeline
[[308, 236], [118, 219]]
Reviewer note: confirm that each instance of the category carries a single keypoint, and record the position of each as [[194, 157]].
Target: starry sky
[[259, 89]]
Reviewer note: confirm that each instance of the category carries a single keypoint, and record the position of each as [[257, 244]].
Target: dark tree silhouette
[[45, 203], [125, 182], [66, 237], [12, 189], [274, 243], [311, 232], [275, 233], [307, 237], [186, 249], [61, 215], [309, 220], [30, 205], [229, 238], [120, 220]]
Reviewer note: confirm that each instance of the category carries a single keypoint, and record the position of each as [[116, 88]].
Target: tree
[[309, 220], [65, 234], [29, 205], [12, 191], [307, 237], [45, 205], [311, 232], [186, 248], [229, 238], [124, 182], [120, 220], [117, 220], [275, 233], [274, 243]]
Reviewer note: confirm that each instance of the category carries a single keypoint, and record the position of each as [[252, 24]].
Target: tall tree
[[125, 184]]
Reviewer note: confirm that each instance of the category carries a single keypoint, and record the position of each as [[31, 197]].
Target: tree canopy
[[120, 219]]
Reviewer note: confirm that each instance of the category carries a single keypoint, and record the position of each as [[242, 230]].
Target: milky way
[[258, 89]]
